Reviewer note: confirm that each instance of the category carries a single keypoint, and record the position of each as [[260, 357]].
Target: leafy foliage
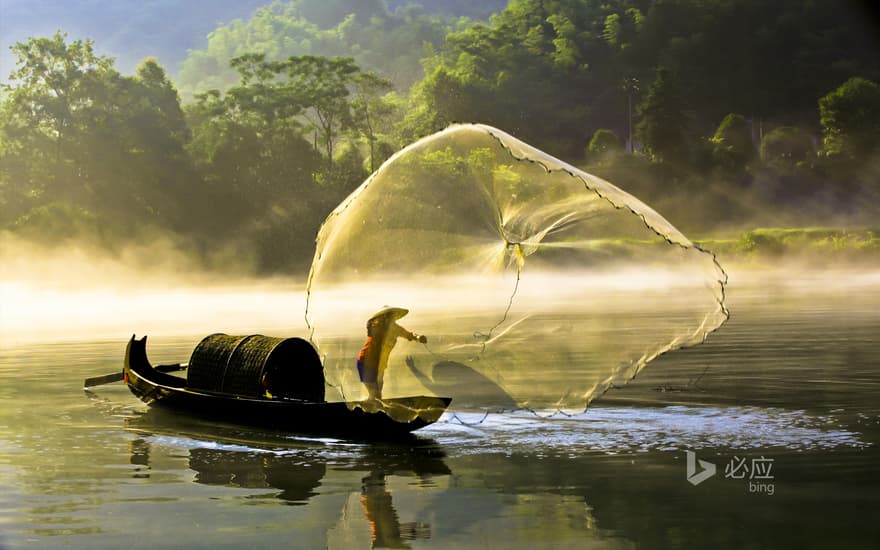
[[390, 44], [252, 141], [786, 146], [289, 110], [662, 126], [732, 142], [603, 142], [849, 116], [554, 71], [77, 131], [89, 152]]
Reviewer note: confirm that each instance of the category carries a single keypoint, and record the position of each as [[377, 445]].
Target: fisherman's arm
[[412, 336]]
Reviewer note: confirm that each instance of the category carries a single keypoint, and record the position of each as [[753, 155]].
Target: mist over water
[[76, 292], [39, 314]]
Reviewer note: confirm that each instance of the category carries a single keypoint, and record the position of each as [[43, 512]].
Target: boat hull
[[389, 418]]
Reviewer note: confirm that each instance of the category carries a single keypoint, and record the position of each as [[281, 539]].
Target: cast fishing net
[[538, 285]]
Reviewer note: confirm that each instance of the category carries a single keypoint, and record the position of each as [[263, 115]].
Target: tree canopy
[[849, 116], [554, 71], [776, 103], [389, 43], [76, 131]]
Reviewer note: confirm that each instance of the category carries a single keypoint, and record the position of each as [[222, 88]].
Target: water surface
[[787, 390]]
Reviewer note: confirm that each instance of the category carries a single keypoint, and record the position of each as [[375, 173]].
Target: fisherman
[[382, 334]]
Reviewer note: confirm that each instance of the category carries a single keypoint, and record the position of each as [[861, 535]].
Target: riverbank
[[814, 246]]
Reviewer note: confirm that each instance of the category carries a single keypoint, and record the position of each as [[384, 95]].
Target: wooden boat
[[376, 419]]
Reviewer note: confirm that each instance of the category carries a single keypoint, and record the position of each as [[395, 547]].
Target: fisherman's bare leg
[[373, 390], [379, 382]]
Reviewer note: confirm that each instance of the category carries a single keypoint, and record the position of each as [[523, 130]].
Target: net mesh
[[538, 285]]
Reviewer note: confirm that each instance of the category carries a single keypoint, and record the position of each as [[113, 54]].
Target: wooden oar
[[117, 376], [101, 380]]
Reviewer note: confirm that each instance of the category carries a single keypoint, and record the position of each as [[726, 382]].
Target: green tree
[[254, 145], [78, 133], [389, 44], [662, 120], [324, 85], [622, 29], [732, 143], [48, 110], [250, 140], [534, 71], [603, 142], [850, 119], [349, 172], [784, 148], [372, 111], [153, 139]]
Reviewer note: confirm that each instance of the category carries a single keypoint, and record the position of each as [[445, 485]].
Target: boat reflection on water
[[227, 456], [296, 480]]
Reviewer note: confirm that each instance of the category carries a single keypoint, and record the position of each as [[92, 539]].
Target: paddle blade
[[101, 380]]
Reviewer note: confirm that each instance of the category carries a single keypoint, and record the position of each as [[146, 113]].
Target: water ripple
[[613, 430]]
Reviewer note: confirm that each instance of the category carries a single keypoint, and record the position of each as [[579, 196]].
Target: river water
[[782, 402]]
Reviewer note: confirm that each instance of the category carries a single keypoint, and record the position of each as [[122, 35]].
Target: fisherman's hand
[[423, 339]]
